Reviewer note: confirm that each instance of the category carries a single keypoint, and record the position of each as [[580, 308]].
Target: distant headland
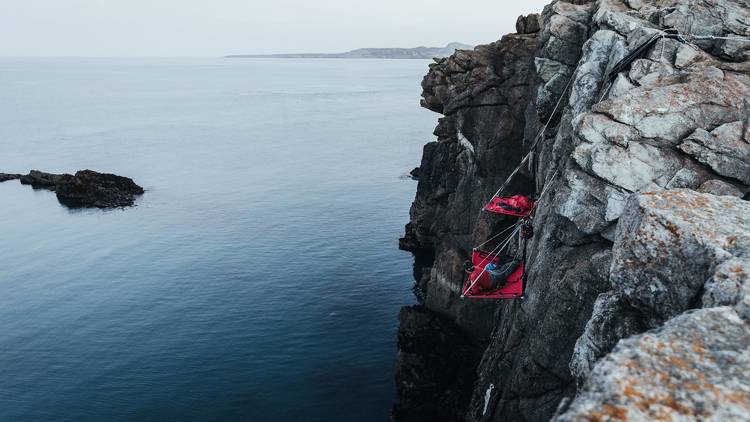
[[369, 53]]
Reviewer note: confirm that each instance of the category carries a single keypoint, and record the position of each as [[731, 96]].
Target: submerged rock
[[4, 177], [86, 188]]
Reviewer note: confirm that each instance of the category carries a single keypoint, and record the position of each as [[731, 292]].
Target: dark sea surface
[[258, 279]]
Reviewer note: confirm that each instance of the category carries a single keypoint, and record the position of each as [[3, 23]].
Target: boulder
[[673, 251], [725, 149], [694, 368], [669, 243], [528, 24], [720, 188]]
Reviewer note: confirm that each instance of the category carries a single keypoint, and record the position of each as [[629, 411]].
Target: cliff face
[[483, 95], [643, 228]]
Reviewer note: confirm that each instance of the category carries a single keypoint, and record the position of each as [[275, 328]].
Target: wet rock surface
[[643, 222], [87, 188]]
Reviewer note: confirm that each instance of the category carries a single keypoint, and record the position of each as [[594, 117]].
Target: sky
[[199, 28]]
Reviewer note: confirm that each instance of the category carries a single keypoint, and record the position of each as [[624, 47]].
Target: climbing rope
[[662, 34], [714, 37], [503, 245], [546, 187], [537, 138], [494, 237], [499, 248]]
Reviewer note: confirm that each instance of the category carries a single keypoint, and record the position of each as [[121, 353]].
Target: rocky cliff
[[637, 299]]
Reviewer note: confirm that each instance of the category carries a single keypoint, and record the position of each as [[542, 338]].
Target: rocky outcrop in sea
[[86, 188], [638, 291]]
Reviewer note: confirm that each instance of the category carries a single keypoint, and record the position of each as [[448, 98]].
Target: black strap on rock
[[525, 270], [527, 230], [639, 52]]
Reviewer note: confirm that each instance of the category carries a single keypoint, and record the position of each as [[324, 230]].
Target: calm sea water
[[257, 279]]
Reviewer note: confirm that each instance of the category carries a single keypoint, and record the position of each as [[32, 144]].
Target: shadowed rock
[[432, 353]]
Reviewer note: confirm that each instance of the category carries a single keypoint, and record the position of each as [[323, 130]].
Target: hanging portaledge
[[516, 206], [504, 281]]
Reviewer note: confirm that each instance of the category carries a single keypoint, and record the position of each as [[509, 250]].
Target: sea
[[257, 279]]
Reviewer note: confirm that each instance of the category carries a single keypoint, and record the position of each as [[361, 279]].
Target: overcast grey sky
[[218, 27]]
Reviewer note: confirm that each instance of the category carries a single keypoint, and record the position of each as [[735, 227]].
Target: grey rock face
[[668, 245], [720, 188], [693, 368], [528, 24], [726, 149], [674, 250], [609, 259], [729, 285], [611, 320]]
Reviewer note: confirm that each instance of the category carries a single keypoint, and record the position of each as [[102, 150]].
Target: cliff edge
[[637, 299]]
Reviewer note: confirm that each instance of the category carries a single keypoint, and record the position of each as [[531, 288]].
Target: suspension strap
[[537, 138], [640, 51], [494, 237]]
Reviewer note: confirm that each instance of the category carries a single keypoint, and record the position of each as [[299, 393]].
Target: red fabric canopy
[[517, 205]]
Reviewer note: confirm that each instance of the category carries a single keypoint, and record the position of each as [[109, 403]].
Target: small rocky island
[[87, 188]]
